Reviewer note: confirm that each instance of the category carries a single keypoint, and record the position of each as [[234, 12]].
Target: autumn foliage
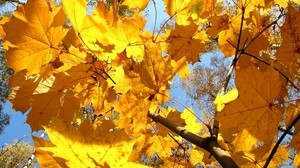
[[97, 82]]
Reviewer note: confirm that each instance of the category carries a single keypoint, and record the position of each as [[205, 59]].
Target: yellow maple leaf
[[171, 115], [126, 35], [69, 148], [255, 109], [91, 29], [292, 113], [48, 97], [196, 156], [100, 96], [141, 4], [288, 53], [297, 160], [244, 141], [151, 76], [71, 58], [37, 43], [221, 99], [190, 120], [180, 9], [184, 42], [229, 34], [258, 158], [181, 68], [133, 114], [122, 83]]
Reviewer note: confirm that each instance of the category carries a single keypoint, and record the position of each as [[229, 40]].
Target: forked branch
[[210, 144]]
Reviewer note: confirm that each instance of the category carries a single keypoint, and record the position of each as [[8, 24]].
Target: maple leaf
[[141, 4], [67, 146], [259, 158], [149, 77], [48, 98], [71, 58], [184, 42], [256, 110], [181, 68], [258, 21], [180, 9], [171, 115], [100, 97], [218, 23], [221, 100], [91, 29], [190, 120], [38, 42], [196, 156], [163, 146], [133, 114], [292, 113], [288, 53], [127, 35]]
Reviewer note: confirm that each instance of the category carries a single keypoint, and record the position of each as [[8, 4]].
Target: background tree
[[205, 82], [4, 91], [16, 154]]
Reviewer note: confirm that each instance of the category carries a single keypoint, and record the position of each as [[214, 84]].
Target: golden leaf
[[221, 100], [141, 4], [257, 108], [190, 120], [183, 44], [70, 149], [37, 43]]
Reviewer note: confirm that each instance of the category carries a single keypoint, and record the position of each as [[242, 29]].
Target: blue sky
[[17, 129]]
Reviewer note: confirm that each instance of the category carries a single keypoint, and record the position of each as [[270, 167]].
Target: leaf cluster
[[96, 79]]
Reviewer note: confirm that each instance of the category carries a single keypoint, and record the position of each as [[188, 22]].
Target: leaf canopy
[[89, 77]]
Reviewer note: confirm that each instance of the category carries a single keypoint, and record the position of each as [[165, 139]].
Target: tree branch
[[210, 144], [280, 140], [265, 62]]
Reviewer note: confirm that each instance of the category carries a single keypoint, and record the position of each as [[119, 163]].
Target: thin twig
[[179, 144], [280, 140], [237, 54], [265, 62], [161, 28], [262, 30], [184, 106], [155, 21]]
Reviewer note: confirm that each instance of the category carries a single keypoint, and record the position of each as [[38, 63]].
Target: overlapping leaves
[[108, 62]]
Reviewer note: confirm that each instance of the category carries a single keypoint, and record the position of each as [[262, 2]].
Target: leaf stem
[[155, 21]]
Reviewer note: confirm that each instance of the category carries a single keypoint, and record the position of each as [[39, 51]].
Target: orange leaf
[[183, 44], [257, 108], [288, 53], [48, 98], [37, 43]]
